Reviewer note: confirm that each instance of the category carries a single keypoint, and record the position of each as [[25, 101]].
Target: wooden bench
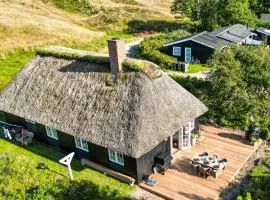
[[108, 171]]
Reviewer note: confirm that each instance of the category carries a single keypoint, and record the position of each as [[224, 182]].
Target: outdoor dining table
[[209, 161]]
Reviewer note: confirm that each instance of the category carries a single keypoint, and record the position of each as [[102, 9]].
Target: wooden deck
[[180, 183]]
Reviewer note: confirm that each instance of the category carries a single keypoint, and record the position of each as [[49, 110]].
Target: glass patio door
[[185, 135]]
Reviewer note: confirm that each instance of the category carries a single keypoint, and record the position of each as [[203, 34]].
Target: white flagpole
[[70, 172]]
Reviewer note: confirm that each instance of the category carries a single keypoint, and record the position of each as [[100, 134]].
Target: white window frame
[[116, 157], [52, 133], [177, 51], [81, 144], [186, 136], [29, 121]]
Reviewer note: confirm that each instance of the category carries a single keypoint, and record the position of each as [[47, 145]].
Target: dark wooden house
[[199, 48], [102, 108]]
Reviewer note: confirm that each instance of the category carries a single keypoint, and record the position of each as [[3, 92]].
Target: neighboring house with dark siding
[[198, 48], [102, 108]]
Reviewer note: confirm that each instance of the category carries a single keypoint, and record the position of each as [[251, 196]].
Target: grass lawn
[[11, 65], [194, 68], [34, 173]]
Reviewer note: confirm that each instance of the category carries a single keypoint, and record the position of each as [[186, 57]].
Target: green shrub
[[77, 6], [248, 196], [259, 186], [265, 24], [152, 48], [137, 26], [265, 133], [239, 198]]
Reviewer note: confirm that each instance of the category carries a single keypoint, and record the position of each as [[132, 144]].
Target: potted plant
[[194, 137]]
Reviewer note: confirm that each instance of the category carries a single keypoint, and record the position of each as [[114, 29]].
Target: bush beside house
[[259, 186], [152, 48]]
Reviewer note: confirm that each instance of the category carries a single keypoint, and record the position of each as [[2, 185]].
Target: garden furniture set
[[206, 165]]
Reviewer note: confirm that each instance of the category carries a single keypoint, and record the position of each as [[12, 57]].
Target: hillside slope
[[30, 23], [27, 23]]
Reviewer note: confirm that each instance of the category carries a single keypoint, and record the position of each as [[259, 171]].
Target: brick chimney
[[117, 54]]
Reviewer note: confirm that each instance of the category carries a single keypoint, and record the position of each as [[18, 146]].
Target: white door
[[185, 137], [187, 54]]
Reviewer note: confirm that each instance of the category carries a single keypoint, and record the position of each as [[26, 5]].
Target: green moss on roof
[[68, 53], [150, 69]]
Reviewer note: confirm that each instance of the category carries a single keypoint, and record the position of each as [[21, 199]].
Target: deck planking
[[180, 183]]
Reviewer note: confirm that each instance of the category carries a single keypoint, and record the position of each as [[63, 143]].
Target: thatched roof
[[71, 95]]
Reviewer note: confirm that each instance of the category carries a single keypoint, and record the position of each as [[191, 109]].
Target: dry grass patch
[[27, 24]]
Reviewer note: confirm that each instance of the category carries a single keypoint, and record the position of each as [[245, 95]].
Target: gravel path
[[132, 47], [141, 194]]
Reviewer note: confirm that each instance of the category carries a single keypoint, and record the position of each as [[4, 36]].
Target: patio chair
[[215, 156], [195, 160], [223, 162], [194, 167], [203, 154], [215, 172], [205, 171]]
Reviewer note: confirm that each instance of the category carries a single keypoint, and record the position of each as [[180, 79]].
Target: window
[[177, 51], [116, 157], [52, 133], [81, 144], [30, 121], [192, 124]]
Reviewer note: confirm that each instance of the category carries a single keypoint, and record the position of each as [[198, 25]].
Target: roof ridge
[[70, 53], [225, 30], [198, 34]]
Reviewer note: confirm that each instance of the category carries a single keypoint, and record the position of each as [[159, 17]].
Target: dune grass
[[58, 22], [34, 173]]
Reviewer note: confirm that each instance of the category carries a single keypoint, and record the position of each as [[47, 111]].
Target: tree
[[203, 12], [240, 86], [213, 13], [260, 6], [236, 11], [187, 8]]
